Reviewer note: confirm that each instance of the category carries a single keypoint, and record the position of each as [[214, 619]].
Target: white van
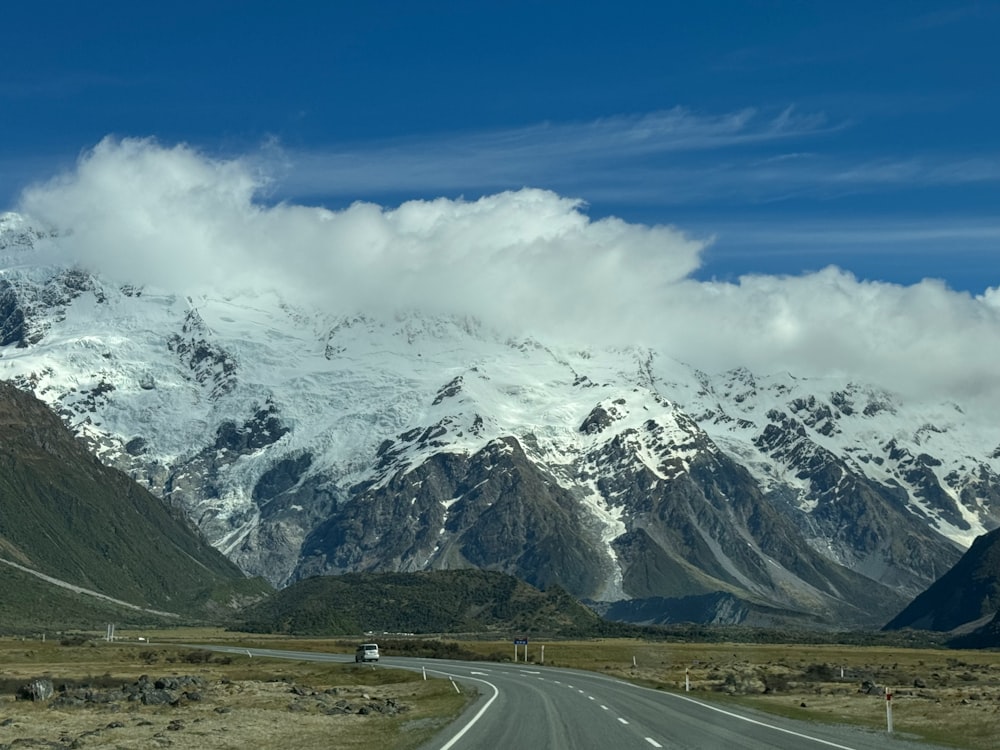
[[366, 652]]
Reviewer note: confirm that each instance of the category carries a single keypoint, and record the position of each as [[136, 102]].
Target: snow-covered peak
[[238, 405]]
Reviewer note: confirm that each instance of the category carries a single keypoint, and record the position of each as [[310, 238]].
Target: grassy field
[[211, 701], [942, 696]]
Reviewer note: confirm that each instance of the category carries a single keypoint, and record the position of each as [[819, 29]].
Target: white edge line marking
[[496, 693], [744, 718], [479, 714], [709, 706], [309, 654]]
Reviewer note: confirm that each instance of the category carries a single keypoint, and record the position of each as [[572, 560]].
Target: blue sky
[[796, 134]]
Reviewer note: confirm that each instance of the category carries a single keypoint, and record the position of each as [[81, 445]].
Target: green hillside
[[443, 601], [64, 514], [29, 606]]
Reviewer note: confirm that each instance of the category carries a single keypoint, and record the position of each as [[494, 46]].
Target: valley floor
[[194, 699], [949, 698]]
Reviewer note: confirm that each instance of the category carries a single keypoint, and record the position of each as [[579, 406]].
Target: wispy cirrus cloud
[[671, 158], [810, 236], [956, 14], [589, 154]]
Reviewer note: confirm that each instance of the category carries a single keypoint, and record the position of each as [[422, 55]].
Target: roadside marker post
[[687, 680], [888, 710], [521, 642]]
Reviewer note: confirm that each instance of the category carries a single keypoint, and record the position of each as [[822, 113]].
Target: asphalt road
[[535, 707]]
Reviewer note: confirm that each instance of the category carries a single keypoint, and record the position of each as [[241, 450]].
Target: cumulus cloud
[[923, 339], [529, 260], [173, 218]]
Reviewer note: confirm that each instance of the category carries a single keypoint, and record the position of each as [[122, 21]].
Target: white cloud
[[674, 157], [923, 339], [173, 218], [530, 260], [593, 153]]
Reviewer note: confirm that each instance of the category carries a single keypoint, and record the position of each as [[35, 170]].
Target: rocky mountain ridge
[[963, 599], [303, 441]]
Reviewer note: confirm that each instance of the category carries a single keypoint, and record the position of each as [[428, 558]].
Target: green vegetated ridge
[[31, 606], [66, 515], [441, 601]]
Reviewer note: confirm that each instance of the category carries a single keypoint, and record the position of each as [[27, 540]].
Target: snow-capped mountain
[[302, 442]]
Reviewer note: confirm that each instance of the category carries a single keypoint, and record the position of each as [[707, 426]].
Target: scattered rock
[[158, 698], [870, 688], [40, 689], [35, 743], [177, 692]]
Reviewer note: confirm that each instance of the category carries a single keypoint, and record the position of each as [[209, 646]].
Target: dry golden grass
[[946, 697], [942, 696], [240, 702]]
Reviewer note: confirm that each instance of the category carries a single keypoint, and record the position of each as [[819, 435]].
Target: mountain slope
[[984, 636], [302, 441], [30, 606], [963, 596], [64, 514]]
